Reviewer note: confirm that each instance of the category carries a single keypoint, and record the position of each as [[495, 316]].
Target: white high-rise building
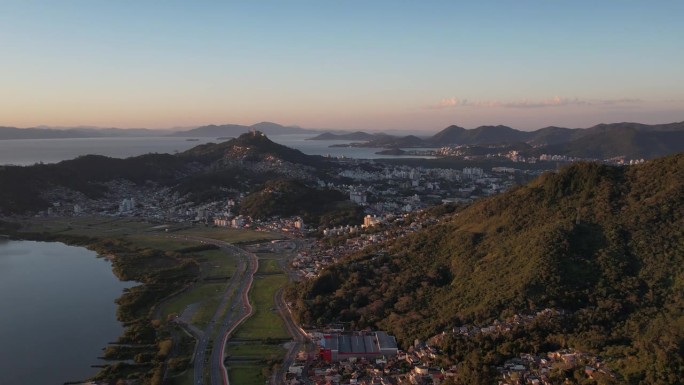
[[127, 205]]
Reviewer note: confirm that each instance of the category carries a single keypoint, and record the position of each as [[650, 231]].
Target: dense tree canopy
[[604, 244], [289, 197]]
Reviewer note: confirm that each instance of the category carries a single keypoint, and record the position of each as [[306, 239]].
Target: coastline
[[134, 308]]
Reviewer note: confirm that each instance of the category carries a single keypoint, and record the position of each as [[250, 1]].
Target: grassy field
[[265, 322], [203, 315], [217, 262], [201, 293], [94, 226], [252, 373], [159, 242], [228, 234], [268, 266], [246, 374], [108, 227], [255, 350], [184, 379]]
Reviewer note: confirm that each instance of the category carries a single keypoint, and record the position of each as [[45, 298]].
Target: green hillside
[[23, 188], [248, 147], [605, 245], [629, 142], [288, 198], [203, 172]]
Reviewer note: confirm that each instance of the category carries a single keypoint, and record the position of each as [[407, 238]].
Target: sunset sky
[[408, 65]]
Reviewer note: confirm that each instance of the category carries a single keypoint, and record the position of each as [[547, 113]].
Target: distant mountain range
[[235, 130], [7, 133], [492, 135], [633, 140], [225, 130], [358, 135]]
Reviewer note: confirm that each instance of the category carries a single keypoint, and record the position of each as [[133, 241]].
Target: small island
[[358, 135], [392, 151]]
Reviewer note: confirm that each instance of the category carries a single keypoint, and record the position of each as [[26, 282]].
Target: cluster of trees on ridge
[[604, 244], [288, 198], [22, 188]]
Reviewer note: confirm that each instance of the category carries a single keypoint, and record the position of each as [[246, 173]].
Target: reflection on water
[[57, 312]]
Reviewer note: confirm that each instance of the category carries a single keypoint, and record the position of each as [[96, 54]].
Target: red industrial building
[[343, 346]]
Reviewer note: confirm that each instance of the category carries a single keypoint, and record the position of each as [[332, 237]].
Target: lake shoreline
[[60, 280], [134, 308]]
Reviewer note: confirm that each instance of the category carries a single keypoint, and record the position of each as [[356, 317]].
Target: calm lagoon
[[57, 312]]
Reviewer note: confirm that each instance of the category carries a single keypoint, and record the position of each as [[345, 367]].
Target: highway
[[233, 309], [240, 310], [298, 334]]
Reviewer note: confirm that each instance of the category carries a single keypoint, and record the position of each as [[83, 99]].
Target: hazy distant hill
[[554, 135], [358, 135], [603, 141], [226, 130], [605, 245], [677, 126], [235, 130], [7, 133], [630, 142], [389, 141], [39, 133], [270, 128], [545, 136], [480, 135]]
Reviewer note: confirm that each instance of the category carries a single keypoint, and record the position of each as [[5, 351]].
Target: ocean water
[[57, 312], [25, 152]]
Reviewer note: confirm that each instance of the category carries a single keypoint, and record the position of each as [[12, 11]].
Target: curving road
[[298, 334], [233, 309], [240, 310]]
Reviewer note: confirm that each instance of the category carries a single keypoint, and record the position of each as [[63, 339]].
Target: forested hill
[[253, 146], [603, 141], [200, 174], [602, 244]]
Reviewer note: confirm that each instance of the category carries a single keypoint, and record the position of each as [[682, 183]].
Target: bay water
[[24, 152], [57, 312]]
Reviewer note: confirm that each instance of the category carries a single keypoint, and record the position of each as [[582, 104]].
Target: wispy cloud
[[556, 101], [450, 102]]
